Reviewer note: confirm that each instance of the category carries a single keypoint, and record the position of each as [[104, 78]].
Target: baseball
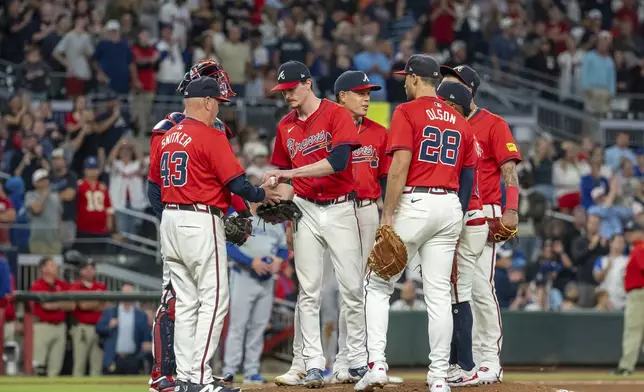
[[272, 181]]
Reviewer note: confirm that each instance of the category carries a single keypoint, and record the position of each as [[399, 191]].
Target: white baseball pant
[[471, 244], [430, 226], [194, 246], [487, 334], [333, 227]]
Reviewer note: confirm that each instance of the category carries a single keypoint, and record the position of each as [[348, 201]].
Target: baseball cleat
[[440, 385], [229, 378], [162, 384], [356, 375], [255, 379], [621, 372], [340, 377], [376, 377], [290, 379], [457, 377], [314, 378], [395, 380], [489, 376]]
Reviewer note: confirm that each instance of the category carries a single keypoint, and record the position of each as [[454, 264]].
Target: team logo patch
[[310, 144], [511, 147], [281, 76], [367, 154]]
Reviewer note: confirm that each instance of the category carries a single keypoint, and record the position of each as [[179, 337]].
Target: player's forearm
[[511, 181], [242, 187], [321, 168], [466, 183]]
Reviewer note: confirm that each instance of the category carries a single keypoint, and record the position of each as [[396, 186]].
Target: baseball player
[[499, 157], [161, 379], [251, 297], [462, 370], [428, 189], [313, 145], [370, 165], [199, 171]]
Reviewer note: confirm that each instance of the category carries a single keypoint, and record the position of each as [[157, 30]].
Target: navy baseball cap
[[421, 65], [455, 93], [354, 81], [465, 74], [632, 226], [290, 74], [91, 163], [204, 87]]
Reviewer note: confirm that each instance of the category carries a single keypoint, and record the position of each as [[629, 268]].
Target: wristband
[[512, 198]]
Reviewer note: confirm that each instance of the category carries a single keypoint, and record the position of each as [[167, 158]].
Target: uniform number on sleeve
[[174, 168], [439, 146]]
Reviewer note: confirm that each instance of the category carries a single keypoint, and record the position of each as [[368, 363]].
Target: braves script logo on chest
[[309, 144], [366, 154]]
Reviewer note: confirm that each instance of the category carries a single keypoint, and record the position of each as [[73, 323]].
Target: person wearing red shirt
[[145, 57], [198, 173], [442, 22], [633, 314], [7, 217], [95, 214], [86, 316], [50, 334], [313, 147], [428, 190], [499, 158]]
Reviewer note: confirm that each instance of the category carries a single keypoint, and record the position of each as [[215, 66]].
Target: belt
[[364, 202], [426, 189], [195, 208], [338, 200]]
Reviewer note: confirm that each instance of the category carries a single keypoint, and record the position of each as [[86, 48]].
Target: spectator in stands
[[592, 181], [504, 47], [171, 65], [126, 335], [628, 183], [42, 138], [176, 13], [24, 163], [292, 46], [602, 301], [592, 29], [49, 331], [93, 210], [235, 57], [79, 126], [126, 169], [145, 57], [612, 216], [609, 272], [19, 236], [112, 124], [544, 64], [64, 183], [285, 288], [114, 63], [51, 40], [259, 162], [7, 218], [35, 72], [202, 18], [598, 76], [621, 150], [7, 286], [566, 176], [570, 63], [53, 128], [74, 52], [408, 299], [570, 301], [633, 315], [86, 316], [16, 31], [585, 250], [375, 64], [44, 209], [536, 171]]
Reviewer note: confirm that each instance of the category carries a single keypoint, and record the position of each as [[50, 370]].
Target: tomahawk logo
[[459, 68], [452, 96], [281, 76], [365, 79]]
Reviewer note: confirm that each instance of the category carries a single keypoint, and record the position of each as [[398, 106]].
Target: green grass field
[[138, 384]]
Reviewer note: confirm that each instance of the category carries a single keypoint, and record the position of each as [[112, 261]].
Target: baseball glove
[[498, 232], [283, 211], [389, 254], [238, 229]]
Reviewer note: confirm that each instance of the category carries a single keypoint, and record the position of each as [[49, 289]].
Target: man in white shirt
[[408, 300]]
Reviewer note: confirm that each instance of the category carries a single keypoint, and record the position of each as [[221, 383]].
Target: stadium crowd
[[140, 49]]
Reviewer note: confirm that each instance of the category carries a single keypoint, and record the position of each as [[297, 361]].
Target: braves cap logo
[[281, 76], [365, 79], [459, 68]]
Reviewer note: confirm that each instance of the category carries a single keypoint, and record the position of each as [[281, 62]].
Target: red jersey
[[154, 172], [85, 316], [439, 139], [475, 199], [634, 274], [146, 72], [5, 205], [370, 161], [497, 147], [47, 316], [196, 163], [299, 143], [93, 207]]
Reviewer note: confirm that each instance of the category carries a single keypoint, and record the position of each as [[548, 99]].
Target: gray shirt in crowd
[[77, 49], [125, 344], [45, 226]]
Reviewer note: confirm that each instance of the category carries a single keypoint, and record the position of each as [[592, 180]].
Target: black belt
[[364, 202], [426, 189], [195, 208], [351, 196]]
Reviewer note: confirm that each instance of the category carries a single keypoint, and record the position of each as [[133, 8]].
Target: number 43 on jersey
[[174, 168]]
